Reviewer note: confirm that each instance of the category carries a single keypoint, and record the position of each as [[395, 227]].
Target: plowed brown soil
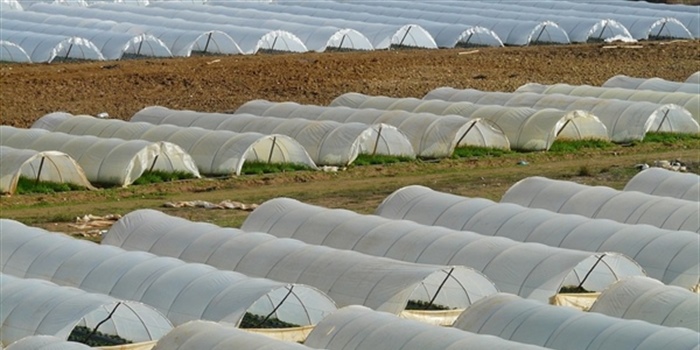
[[223, 83]]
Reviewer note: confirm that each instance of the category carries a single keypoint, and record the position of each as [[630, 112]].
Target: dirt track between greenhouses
[[214, 84]]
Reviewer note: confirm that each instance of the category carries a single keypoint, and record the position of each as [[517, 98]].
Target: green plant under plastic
[[424, 305], [377, 159], [479, 152], [26, 185], [159, 176], [572, 146], [669, 138], [258, 321], [81, 334], [258, 168]]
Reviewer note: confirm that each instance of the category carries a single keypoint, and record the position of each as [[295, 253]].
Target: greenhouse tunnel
[[181, 291], [531, 270], [346, 276]]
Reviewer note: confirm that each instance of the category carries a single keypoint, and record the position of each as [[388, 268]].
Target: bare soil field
[[213, 84]]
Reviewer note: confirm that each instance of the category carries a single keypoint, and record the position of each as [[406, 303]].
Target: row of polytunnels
[[428, 269], [38, 31], [95, 152]]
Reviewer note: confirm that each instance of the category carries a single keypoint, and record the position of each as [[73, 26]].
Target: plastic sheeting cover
[[42, 166], [689, 101], [327, 142], [667, 183], [346, 276], [198, 335], [670, 256], [602, 202], [431, 136], [527, 129], [654, 84], [529, 269], [359, 328], [626, 120], [46, 342], [45, 48], [182, 291], [11, 52], [36, 307], [649, 300], [528, 321], [106, 161], [216, 152]]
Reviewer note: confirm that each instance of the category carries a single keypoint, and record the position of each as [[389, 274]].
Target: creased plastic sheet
[[346, 276], [529, 269], [602, 202], [649, 300], [668, 255], [528, 321], [357, 327], [182, 291]]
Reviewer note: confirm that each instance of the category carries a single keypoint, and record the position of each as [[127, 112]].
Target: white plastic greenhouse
[[45, 48], [527, 129], [445, 34], [112, 45], [327, 142], [10, 5], [200, 335], [381, 35], [37, 307], [644, 23], [670, 256], [311, 37], [182, 291], [317, 38], [40, 166], [46, 342], [602, 202], [216, 152], [105, 161], [230, 40], [626, 120], [694, 78], [654, 84], [649, 300], [689, 101], [579, 29], [511, 32], [11, 52], [528, 269], [359, 328], [667, 183], [431, 136], [347, 277], [511, 317]]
